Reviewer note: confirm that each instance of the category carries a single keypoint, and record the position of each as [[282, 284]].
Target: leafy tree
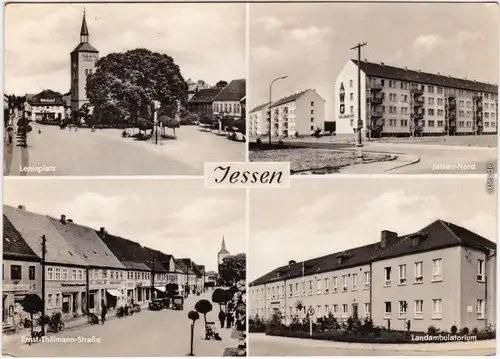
[[194, 316], [32, 304], [203, 307], [172, 289], [221, 83], [233, 268], [84, 114], [169, 122], [15, 104], [125, 84], [219, 297]]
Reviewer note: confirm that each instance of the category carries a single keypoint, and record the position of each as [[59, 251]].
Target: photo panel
[[373, 88], [386, 265], [123, 89], [123, 268]]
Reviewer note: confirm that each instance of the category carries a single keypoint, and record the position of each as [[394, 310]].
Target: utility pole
[[271, 103], [153, 278], [359, 125], [87, 290], [44, 251]]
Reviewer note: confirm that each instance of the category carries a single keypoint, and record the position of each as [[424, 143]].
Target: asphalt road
[[105, 152], [163, 333], [260, 345]]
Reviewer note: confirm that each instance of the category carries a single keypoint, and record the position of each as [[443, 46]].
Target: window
[[73, 274], [32, 275], [290, 290], [437, 270], [318, 311], [430, 89], [366, 279], [345, 310], [335, 309], [431, 112], [430, 100], [403, 306], [310, 286], [480, 270], [104, 274], [58, 273], [312, 103], [402, 274], [318, 285], [344, 283], [354, 281], [15, 272], [419, 307], [327, 309], [367, 310], [326, 285], [80, 274], [388, 309], [419, 275], [50, 273], [350, 83], [440, 101], [480, 309], [351, 109], [50, 301], [58, 300], [297, 287], [335, 284], [387, 275], [437, 306]]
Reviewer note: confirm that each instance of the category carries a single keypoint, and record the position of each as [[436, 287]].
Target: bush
[[465, 331], [453, 329], [124, 134], [256, 325], [432, 330], [280, 142], [258, 141], [475, 331]]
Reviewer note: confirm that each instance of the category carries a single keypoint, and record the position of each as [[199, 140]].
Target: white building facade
[[258, 125], [401, 102]]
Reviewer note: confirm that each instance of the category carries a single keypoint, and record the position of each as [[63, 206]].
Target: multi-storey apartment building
[[258, 124], [228, 103], [442, 275], [401, 102], [296, 115]]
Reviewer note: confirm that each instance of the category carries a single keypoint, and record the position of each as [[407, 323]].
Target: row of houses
[[441, 275], [222, 100], [85, 268]]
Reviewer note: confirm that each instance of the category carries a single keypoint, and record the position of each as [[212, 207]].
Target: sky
[[312, 42], [320, 216], [178, 217], [207, 41]]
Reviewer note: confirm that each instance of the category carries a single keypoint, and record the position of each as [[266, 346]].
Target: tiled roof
[[32, 226], [397, 73], [131, 254], [288, 99], [188, 262], [160, 265], [234, 91], [85, 47], [260, 107], [35, 100], [88, 244], [181, 265], [13, 242], [205, 95], [437, 235]]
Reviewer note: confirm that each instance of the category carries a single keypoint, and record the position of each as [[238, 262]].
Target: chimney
[[292, 262], [406, 68], [439, 74], [386, 237], [69, 221], [366, 60], [102, 231], [382, 64], [21, 207], [63, 218]]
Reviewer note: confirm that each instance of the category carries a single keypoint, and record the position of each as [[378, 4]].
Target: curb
[[415, 161]]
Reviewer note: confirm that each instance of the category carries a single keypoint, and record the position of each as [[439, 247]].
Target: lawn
[[304, 161], [480, 141]]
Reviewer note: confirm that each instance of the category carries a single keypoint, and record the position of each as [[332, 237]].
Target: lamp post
[[359, 124], [44, 251], [270, 101]]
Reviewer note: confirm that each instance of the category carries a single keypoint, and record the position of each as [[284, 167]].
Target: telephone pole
[[359, 124], [153, 278], [44, 251]]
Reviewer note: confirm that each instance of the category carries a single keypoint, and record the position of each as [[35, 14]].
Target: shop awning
[[160, 289], [114, 292]]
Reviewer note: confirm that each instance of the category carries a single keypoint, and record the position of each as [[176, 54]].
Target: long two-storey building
[[402, 102], [442, 275]]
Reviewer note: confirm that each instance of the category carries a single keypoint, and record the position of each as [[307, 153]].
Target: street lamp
[[270, 101]]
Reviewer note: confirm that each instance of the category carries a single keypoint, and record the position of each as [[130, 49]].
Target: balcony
[[452, 114], [376, 114], [477, 97], [478, 115], [452, 104], [416, 91], [479, 106], [376, 87], [417, 116], [418, 102], [376, 99]]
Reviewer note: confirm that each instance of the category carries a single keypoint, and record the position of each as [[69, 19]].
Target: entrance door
[[4, 309], [75, 302], [139, 294], [355, 310]]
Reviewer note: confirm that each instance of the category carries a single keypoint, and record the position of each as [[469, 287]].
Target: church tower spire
[[223, 247], [84, 32]]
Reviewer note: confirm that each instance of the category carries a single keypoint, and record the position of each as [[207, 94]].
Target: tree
[[203, 307], [15, 104], [84, 114], [125, 84], [172, 289], [194, 316], [220, 297], [32, 304], [233, 268], [221, 83], [169, 122]]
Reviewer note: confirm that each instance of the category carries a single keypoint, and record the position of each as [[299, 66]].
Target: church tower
[[223, 253], [83, 62]]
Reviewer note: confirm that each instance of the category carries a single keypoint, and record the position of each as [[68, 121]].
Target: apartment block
[[441, 275], [258, 124], [401, 102]]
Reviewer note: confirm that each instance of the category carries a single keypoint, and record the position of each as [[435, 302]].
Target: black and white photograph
[[123, 89], [373, 88], [123, 268], [385, 266]]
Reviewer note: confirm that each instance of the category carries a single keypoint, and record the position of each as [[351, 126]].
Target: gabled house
[[228, 103]]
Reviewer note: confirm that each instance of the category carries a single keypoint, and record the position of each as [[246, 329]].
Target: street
[[262, 345], [164, 333], [105, 152]]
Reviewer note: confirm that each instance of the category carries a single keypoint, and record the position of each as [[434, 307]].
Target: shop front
[[71, 298], [13, 295]]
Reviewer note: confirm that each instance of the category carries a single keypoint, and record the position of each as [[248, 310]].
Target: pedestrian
[[222, 318], [104, 311], [17, 319], [229, 320]]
